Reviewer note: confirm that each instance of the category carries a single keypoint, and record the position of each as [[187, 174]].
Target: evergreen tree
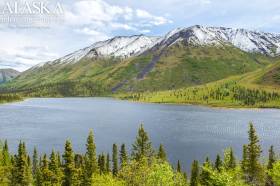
[[102, 164], [45, 172], [123, 156], [271, 161], [36, 168], [244, 162], [142, 147], [115, 160], [229, 159], [253, 155], [69, 165], [35, 162], [218, 163], [108, 169], [161, 153], [194, 174], [21, 171], [54, 167], [90, 160], [205, 173], [178, 166], [6, 160]]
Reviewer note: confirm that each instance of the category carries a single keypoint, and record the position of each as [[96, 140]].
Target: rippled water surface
[[187, 132]]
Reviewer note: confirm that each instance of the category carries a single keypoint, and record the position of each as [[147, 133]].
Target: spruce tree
[[6, 159], [54, 167], [142, 147], [229, 159], [35, 162], [178, 166], [69, 166], [218, 163], [194, 174], [115, 160], [102, 164], [253, 156], [36, 168], [21, 171], [108, 169], [161, 153], [90, 160], [123, 156], [205, 174], [244, 162], [271, 161], [45, 172]]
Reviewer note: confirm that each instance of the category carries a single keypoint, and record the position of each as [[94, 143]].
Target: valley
[[196, 65]]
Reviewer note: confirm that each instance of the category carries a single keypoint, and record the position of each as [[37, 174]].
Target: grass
[[242, 91]]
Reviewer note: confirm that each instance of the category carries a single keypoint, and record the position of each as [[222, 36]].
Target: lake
[[187, 132]]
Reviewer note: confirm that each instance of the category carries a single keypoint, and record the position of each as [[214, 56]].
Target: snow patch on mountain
[[128, 46], [249, 41], [116, 47]]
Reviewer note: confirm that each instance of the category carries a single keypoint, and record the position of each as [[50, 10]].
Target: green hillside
[[176, 67], [247, 90]]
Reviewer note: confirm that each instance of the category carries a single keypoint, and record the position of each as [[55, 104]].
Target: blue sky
[[87, 21]]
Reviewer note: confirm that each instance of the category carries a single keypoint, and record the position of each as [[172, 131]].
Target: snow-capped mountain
[[128, 46], [249, 41], [121, 46]]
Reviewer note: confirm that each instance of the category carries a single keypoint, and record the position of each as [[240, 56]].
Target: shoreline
[[216, 106]]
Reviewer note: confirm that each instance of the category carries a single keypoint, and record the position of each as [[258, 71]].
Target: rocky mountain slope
[[7, 75], [182, 58]]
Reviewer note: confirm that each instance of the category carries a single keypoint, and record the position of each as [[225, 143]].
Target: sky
[[83, 22]]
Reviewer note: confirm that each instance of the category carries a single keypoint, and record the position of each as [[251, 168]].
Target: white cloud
[[99, 13], [155, 20], [21, 51]]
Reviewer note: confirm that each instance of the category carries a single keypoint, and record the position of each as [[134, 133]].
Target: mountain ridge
[[125, 46], [183, 57], [8, 74]]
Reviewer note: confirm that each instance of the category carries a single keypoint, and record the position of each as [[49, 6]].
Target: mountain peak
[[128, 46]]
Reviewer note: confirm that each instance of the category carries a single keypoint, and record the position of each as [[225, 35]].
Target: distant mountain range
[[7, 75], [183, 57]]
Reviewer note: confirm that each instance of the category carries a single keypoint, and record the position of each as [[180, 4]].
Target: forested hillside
[[248, 90], [177, 67]]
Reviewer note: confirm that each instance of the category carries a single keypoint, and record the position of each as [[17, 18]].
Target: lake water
[[187, 132]]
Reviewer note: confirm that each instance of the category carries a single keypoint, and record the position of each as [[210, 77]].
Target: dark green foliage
[[21, 170], [102, 164], [161, 153], [55, 168], [178, 166], [194, 174], [251, 165], [108, 169], [229, 159], [147, 170], [69, 165], [271, 161], [142, 147], [115, 160], [4, 98], [218, 163], [6, 155], [205, 173], [123, 156], [90, 160]]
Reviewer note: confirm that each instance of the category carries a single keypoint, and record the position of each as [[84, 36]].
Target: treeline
[[61, 89], [227, 93], [144, 166], [5, 98]]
